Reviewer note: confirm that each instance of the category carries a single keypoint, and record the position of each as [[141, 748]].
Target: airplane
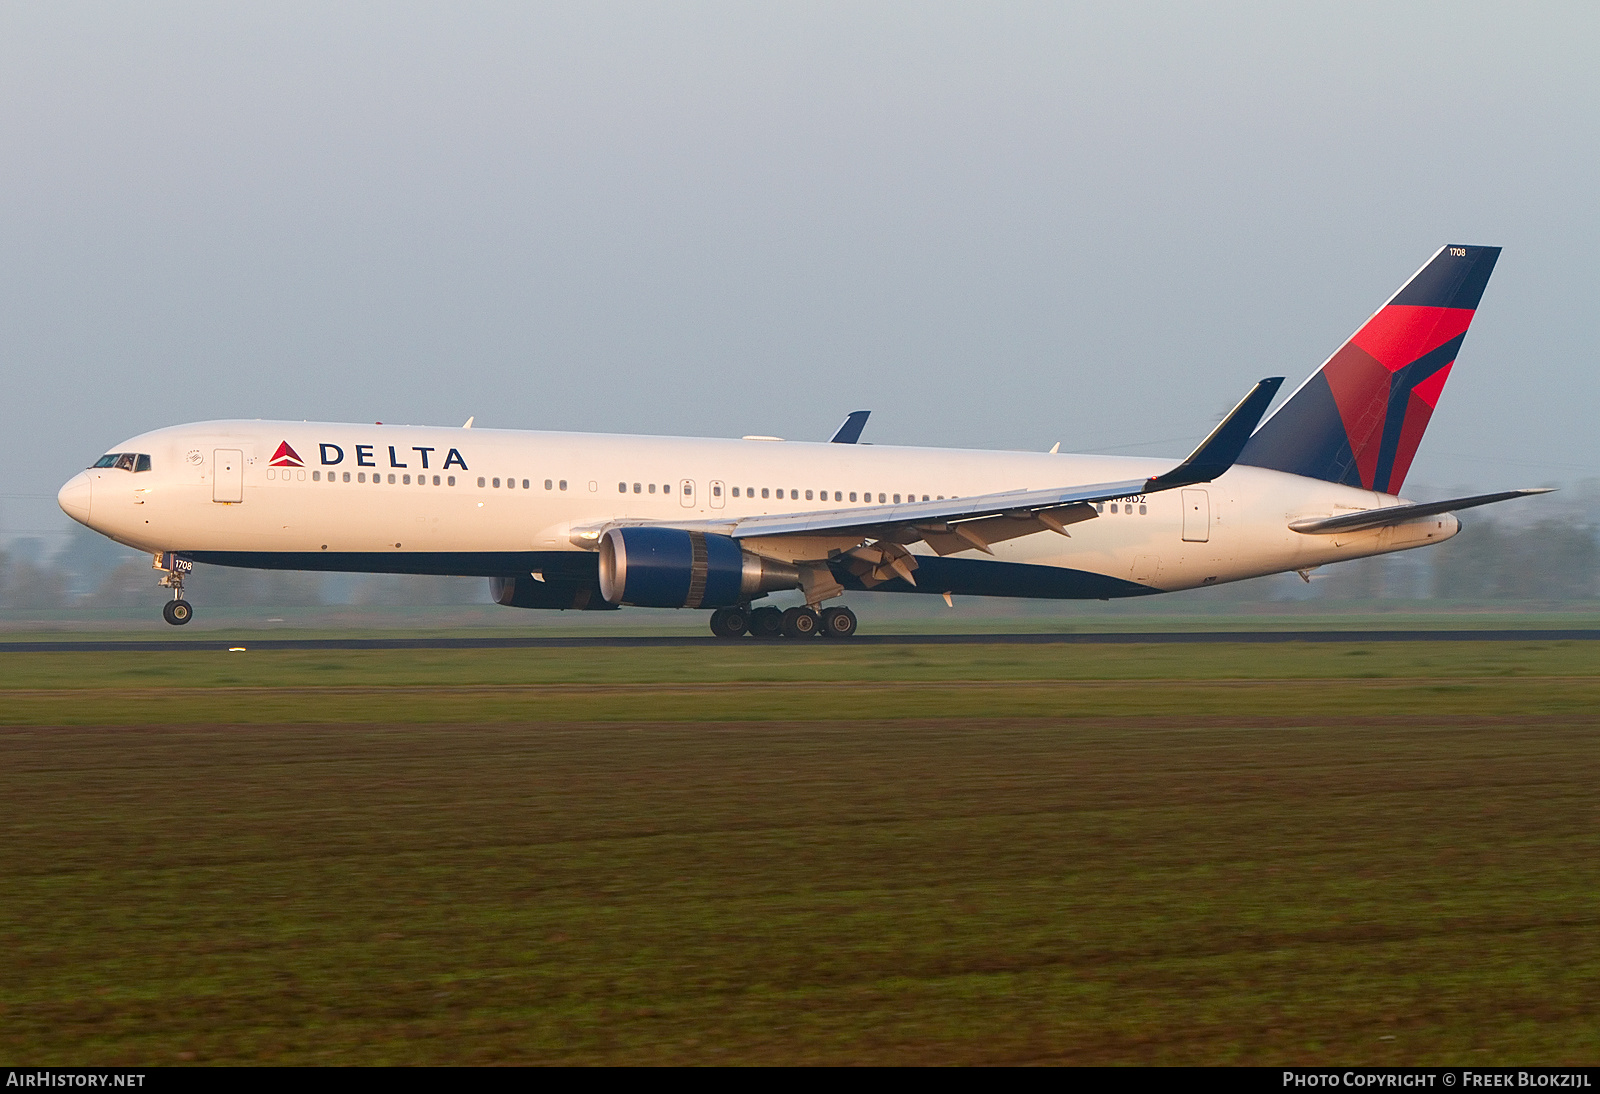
[[593, 522]]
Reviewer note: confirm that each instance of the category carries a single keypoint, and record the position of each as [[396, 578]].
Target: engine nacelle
[[672, 568], [526, 591]]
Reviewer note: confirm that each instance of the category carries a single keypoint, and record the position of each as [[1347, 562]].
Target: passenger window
[[1099, 507], [880, 499], [622, 488], [316, 476], [808, 495], [1143, 511], [496, 483], [652, 488], [482, 482], [666, 488], [563, 484], [361, 476], [852, 495], [405, 480], [897, 499], [735, 491], [763, 491], [837, 496], [391, 479], [451, 480], [716, 491], [794, 495], [924, 497], [637, 489], [347, 476]]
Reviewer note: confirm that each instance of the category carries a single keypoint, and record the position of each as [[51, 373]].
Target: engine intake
[[672, 568]]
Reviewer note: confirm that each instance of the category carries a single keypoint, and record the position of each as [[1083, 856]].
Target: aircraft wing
[[1400, 514], [1213, 457], [961, 524]]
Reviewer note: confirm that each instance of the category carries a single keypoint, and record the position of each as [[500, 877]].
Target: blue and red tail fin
[[1360, 418]]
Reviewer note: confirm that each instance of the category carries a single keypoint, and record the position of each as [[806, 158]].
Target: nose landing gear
[[176, 611]]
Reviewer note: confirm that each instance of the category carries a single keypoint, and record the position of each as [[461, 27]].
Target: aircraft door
[[227, 475], [1196, 516], [686, 493], [719, 493]]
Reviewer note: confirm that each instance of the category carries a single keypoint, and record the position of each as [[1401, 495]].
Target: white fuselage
[[380, 497]]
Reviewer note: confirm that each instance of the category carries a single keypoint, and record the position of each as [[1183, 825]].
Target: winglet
[[1218, 451], [850, 431]]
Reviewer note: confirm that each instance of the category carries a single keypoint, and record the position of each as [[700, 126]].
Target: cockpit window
[[127, 461]]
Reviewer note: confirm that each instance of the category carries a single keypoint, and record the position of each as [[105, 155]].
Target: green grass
[[1164, 854]]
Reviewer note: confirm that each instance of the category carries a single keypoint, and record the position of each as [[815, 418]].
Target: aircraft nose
[[74, 497]]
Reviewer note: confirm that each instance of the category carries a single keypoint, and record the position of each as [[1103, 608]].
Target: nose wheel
[[176, 611]]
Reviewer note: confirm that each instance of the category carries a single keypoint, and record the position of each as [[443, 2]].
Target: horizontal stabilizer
[[1401, 514], [850, 431], [1218, 452]]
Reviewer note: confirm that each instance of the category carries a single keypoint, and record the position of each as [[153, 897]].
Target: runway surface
[[179, 645]]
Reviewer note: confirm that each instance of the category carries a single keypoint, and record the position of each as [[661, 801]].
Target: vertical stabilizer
[[1360, 418]]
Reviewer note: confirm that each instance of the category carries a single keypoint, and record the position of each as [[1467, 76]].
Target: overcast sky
[[995, 225]]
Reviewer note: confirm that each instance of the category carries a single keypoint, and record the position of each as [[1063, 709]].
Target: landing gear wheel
[[838, 623], [177, 612], [801, 623], [729, 622], [766, 623]]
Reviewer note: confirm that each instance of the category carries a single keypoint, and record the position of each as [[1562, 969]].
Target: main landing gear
[[799, 622]]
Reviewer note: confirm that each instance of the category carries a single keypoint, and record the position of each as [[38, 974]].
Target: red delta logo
[[285, 457]]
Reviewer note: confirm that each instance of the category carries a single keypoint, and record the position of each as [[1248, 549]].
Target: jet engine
[[672, 568]]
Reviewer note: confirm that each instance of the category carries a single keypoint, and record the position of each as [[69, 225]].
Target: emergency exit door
[[1196, 516], [227, 475]]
